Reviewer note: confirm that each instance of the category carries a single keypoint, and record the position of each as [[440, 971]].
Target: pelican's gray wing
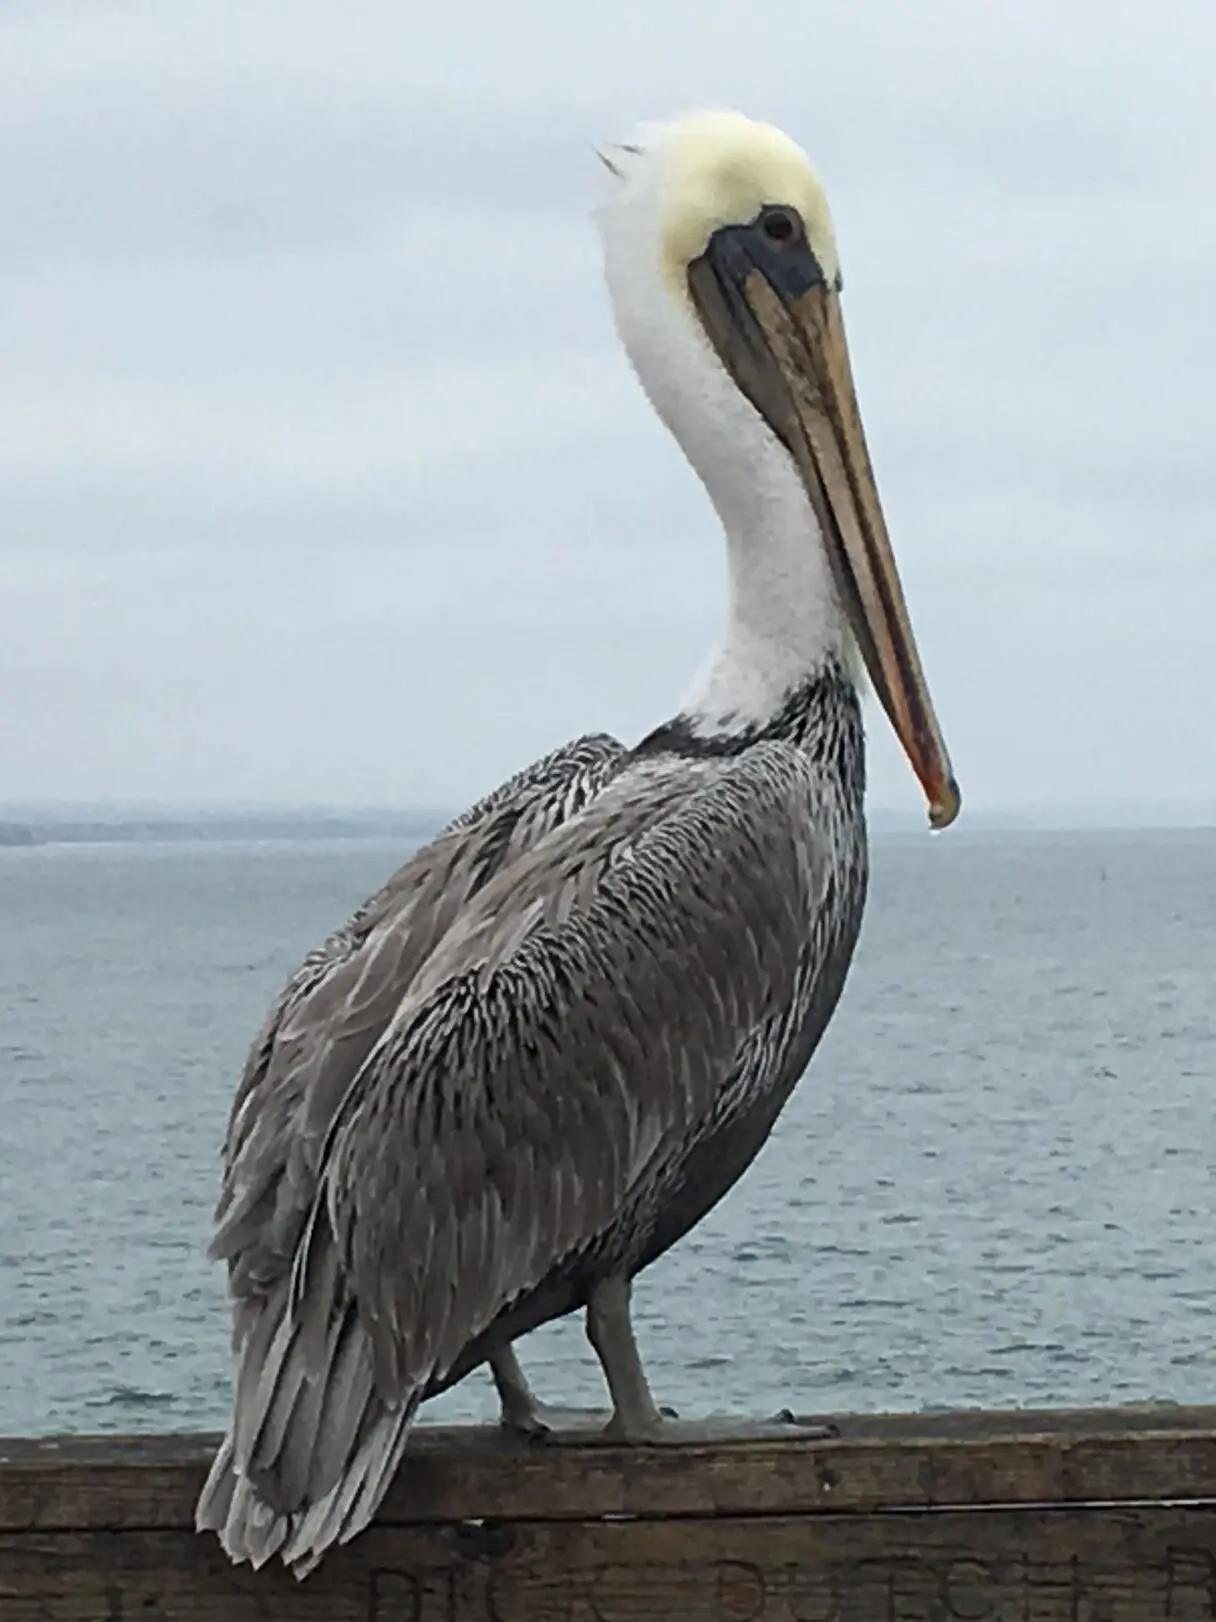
[[577, 1023], [321, 1028], [332, 1010]]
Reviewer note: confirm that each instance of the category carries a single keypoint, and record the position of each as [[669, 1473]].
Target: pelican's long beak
[[775, 320]]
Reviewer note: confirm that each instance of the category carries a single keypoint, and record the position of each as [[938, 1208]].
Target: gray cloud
[[321, 475]]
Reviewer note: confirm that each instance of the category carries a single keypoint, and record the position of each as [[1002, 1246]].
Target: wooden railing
[[1103, 1516]]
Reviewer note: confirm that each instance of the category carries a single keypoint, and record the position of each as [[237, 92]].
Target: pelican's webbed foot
[[714, 1430]]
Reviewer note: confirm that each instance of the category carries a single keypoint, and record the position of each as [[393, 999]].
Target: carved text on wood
[[913, 1587]]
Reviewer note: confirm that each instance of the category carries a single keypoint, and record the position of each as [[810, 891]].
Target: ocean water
[[992, 1187]]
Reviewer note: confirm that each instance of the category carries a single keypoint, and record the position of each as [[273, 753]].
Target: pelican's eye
[[781, 225]]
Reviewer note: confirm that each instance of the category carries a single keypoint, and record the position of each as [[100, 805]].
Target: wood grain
[[1013, 1565]]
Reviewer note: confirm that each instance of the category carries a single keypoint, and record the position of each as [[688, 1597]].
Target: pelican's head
[[725, 285]]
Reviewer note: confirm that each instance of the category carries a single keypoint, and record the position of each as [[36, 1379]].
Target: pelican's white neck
[[784, 621]]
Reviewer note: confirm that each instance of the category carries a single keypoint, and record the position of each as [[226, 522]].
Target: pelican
[[563, 1029]]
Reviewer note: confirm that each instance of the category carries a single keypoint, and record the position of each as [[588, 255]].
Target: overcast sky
[[322, 477]]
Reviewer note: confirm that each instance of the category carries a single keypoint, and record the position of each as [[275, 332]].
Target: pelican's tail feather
[[312, 1449]]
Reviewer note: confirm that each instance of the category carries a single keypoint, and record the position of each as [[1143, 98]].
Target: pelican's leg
[[520, 1410], [636, 1416]]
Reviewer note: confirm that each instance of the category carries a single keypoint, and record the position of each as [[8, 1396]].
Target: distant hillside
[[115, 828], [17, 833]]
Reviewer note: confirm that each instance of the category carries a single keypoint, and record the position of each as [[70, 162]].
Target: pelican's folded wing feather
[[342, 998], [572, 1032]]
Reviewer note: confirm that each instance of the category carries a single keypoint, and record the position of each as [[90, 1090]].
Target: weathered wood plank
[[908, 1461], [1153, 1564]]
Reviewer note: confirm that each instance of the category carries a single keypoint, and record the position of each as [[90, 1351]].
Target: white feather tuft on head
[[713, 168]]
